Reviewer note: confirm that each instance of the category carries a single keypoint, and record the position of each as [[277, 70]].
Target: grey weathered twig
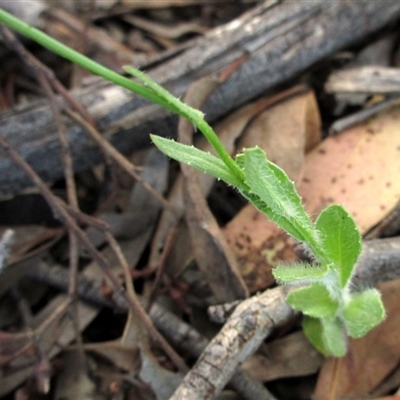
[[253, 320], [280, 41], [5, 247], [248, 325], [63, 215], [370, 80]]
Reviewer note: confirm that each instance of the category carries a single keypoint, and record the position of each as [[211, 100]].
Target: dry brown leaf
[[258, 245], [211, 250], [358, 169], [73, 382], [370, 359], [284, 131], [123, 356], [213, 255], [290, 356]]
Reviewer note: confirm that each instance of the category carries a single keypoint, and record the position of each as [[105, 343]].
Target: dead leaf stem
[[62, 214], [44, 77], [120, 159]]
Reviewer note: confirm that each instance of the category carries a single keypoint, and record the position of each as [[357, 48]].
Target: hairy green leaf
[[326, 335], [299, 272], [313, 329], [341, 239], [334, 337], [274, 189], [364, 311], [196, 158], [313, 300]]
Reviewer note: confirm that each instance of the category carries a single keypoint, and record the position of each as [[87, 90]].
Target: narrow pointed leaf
[[196, 158], [364, 311], [341, 240], [313, 300], [299, 272]]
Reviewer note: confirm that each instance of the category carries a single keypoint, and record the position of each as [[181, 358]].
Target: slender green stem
[[194, 116], [154, 93], [219, 148], [79, 59]]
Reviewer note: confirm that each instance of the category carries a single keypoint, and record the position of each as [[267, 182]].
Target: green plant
[[332, 311]]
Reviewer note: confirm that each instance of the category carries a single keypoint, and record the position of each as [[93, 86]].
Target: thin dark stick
[[39, 71], [137, 307], [181, 334], [120, 159], [160, 268], [73, 202], [62, 214], [35, 64], [347, 122]]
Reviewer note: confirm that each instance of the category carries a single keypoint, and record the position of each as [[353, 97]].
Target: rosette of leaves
[[332, 311]]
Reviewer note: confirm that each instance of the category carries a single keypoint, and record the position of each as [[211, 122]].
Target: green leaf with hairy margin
[[198, 159], [274, 193], [280, 220], [313, 300], [364, 311], [326, 335], [313, 330], [334, 337], [341, 239], [299, 272]]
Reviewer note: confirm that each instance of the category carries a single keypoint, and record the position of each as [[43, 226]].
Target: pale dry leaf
[[358, 168], [211, 251], [161, 381], [290, 356], [213, 254], [370, 79], [285, 131]]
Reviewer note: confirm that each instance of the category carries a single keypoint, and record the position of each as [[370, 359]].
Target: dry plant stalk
[[63, 215]]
